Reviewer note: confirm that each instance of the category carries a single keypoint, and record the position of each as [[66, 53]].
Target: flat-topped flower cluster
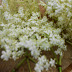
[[27, 30], [35, 34]]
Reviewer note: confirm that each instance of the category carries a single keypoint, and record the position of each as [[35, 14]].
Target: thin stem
[[20, 63], [32, 59], [69, 42], [54, 55], [13, 70], [29, 65], [58, 62], [60, 68]]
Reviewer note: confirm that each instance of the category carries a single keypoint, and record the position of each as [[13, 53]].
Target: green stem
[[60, 68], [13, 70], [54, 55], [20, 63], [29, 65], [69, 42], [58, 62], [32, 59]]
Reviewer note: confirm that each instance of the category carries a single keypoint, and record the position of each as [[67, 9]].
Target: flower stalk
[[22, 61], [29, 65], [54, 55], [26, 57], [69, 42], [32, 60], [58, 62], [19, 64], [60, 68]]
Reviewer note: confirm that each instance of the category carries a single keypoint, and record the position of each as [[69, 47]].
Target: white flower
[[7, 47], [47, 66], [15, 15], [5, 2], [52, 62], [14, 55], [6, 54], [58, 51], [38, 68], [35, 52], [34, 29], [17, 20], [8, 16], [20, 10], [60, 18], [42, 63], [2, 24]]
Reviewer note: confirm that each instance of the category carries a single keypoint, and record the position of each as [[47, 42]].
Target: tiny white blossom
[[52, 62], [6, 55]]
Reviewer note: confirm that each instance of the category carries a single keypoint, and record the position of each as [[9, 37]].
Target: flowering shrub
[[25, 29]]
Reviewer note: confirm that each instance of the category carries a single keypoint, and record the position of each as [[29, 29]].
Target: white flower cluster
[[43, 63], [61, 12], [20, 32], [35, 34]]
